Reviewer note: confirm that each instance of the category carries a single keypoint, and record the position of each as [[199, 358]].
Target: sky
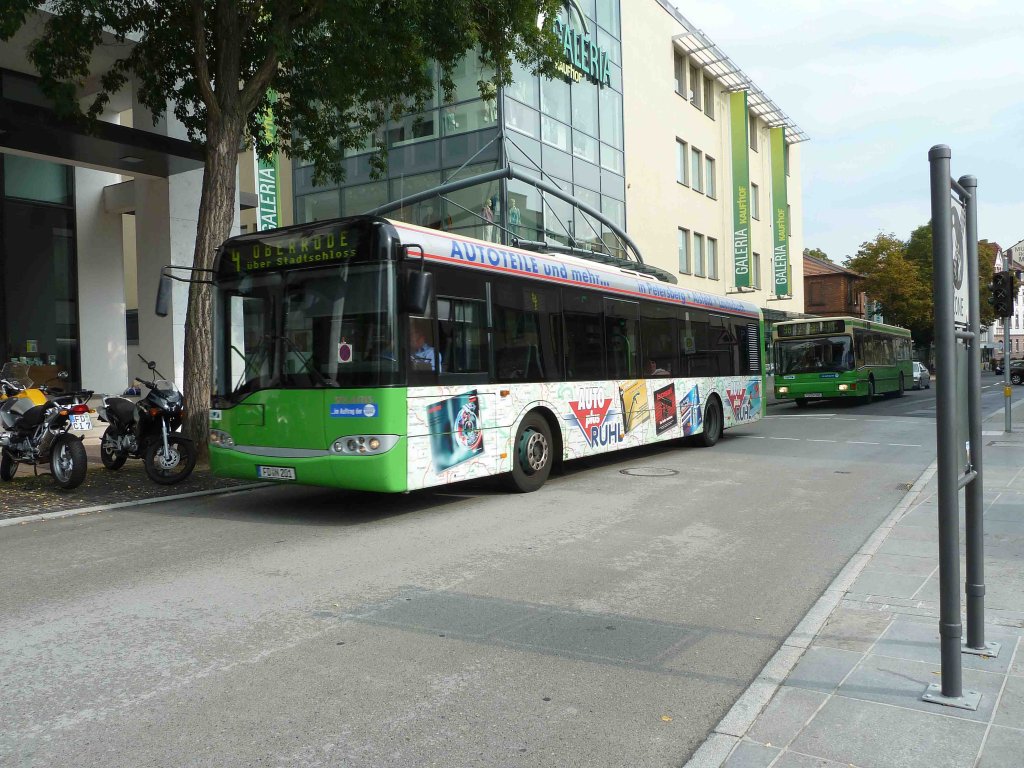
[[875, 85]]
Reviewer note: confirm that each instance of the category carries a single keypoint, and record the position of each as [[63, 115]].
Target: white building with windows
[[1015, 323]]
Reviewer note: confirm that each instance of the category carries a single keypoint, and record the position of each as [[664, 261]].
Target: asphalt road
[[610, 619]]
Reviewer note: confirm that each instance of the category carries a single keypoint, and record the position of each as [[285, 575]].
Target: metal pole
[[1008, 427], [950, 629], [974, 502]]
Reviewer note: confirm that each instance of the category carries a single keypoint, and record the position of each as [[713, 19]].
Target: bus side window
[[658, 338], [584, 337], [521, 317], [462, 334]]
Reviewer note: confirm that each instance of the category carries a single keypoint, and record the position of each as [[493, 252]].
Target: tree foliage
[[334, 70], [817, 253], [891, 279]]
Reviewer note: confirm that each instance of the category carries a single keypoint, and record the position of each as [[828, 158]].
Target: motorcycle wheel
[[68, 462], [171, 469], [112, 458], [8, 466]]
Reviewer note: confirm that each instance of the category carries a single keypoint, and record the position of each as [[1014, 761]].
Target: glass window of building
[[679, 66], [710, 186], [554, 133], [785, 156], [427, 213], [525, 211], [712, 258], [558, 219], [696, 170], [684, 250], [467, 76], [611, 159], [554, 99], [753, 132], [755, 270], [317, 206], [709, 97], [413, 128], [26, 178], [522, 119], [611, 117], [468, 116], [755, 201], [682, 162], [584, 107], [695, 86], [585, 147], [698, 254], [587, 228], [373, 141], [523, 87], [360, 199], [615, 210], [608, 15]]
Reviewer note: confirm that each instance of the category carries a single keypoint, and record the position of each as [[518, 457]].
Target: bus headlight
[[783, 390], [221, 439], [364, 445], [843, 387]]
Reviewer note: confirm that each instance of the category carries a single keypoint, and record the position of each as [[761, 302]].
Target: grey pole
[[974, 502], [1008, 426], [950, 629]]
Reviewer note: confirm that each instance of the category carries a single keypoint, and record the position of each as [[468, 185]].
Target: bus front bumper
[[820, 390], [384, 473]]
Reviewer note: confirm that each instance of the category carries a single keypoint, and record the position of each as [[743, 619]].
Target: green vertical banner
[[740, 189], [780, 209], [267, 186]]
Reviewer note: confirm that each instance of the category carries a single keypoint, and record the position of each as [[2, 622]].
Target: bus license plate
[[275, 473], [813, 394]]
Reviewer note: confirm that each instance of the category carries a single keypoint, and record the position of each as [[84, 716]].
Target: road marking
[[905, 445], [859, 442], [762, 437], [816, 440], [783, 438], [844, 418]]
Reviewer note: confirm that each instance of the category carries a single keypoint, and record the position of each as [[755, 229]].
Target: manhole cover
[[904, 486], [649, 472]]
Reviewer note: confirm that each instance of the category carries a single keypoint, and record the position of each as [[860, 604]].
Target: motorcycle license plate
[[81, 421], [275, 473]]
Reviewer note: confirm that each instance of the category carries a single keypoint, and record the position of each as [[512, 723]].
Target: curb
[[720, 743], [122, 504]]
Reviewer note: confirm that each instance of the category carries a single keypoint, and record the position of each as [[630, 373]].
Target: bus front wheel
[[800, 402], [712, 423], [532, 460]]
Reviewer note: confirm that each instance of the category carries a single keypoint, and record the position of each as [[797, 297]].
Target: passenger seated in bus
[[421, 354], [653, 369]]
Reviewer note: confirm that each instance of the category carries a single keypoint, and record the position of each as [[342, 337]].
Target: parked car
[[1017, 371], [998, 367], [922, 379]]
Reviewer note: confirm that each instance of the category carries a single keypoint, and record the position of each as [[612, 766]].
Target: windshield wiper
[[306, 362]]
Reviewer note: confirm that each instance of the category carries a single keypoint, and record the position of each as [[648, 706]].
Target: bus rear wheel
[[903, 387], [712, 424], [532, 457]]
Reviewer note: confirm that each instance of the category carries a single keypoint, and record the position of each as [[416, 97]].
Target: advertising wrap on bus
[[325, 376]]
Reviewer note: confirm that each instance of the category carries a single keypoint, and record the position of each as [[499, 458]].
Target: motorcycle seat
[[121, 409]]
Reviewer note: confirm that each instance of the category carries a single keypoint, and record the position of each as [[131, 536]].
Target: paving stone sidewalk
[[29, 495], [854, 696]]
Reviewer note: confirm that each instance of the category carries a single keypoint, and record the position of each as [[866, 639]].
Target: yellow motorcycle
[[35, 425]]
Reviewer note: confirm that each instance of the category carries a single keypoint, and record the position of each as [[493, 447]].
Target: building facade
[[1016, 322], [833, 291], [650, 124], [87, 220]]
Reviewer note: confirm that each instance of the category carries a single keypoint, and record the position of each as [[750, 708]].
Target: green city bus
[[371, 354], [840, 357]]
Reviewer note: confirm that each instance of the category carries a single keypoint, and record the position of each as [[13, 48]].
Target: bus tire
[[870, 397], [713, 424], [532, 455], [800, 402]]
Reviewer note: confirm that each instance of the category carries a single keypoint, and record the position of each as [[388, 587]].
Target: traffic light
[[1002, 294]]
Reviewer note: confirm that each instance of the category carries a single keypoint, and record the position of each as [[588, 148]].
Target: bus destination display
[[289, 251], [806, 329]]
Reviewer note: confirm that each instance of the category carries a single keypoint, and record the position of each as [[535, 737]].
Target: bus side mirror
[[420, 285], [418, 291], [163, 296]]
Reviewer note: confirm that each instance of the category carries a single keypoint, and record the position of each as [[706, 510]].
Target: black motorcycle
[[36, 424], [147, 430]]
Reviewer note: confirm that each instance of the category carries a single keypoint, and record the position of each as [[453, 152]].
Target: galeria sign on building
[[780, 212], [267, 173], [583, 56], [740, 189]]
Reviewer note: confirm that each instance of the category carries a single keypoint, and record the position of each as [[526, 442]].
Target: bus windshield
[[311, 328], [832, 354]]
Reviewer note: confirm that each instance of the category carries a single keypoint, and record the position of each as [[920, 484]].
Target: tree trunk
[[216, 215]]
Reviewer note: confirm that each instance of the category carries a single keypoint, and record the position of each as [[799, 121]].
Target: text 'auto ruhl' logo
[[591, 411]]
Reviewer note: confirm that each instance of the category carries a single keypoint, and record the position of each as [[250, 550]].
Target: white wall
[[101, 299]]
